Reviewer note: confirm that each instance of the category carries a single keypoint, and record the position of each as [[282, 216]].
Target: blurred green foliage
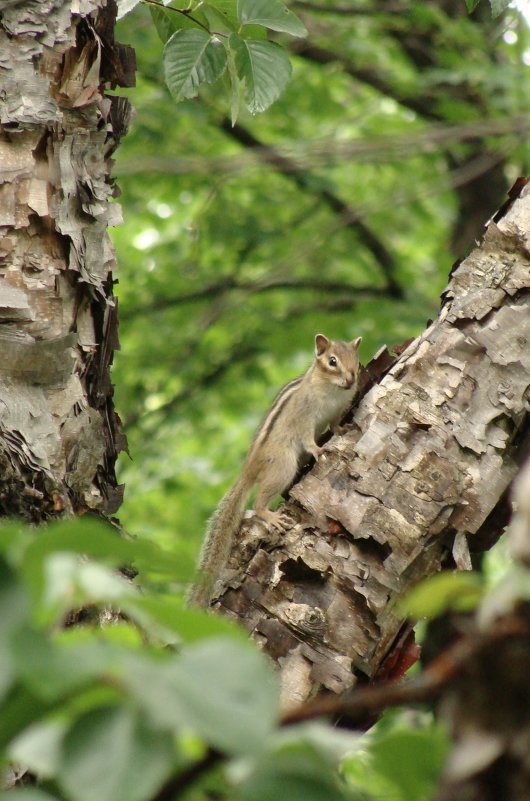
[[396, 138], [143, 699]]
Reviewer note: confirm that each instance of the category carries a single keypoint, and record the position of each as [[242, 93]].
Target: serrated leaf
[[265, 68], [124, 6], [112, 754], [164, 22], [192, 57], [271, 14], [221, 15]]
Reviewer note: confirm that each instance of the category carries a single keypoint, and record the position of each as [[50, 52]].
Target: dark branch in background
[[177, 785], [368, 76], [185, 13], [346, 11], [239, 353], [479, 198], [349, 216], [419, 43], [270, 285], [303, 155]]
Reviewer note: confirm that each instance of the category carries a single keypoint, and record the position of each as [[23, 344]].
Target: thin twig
[[184, 13], [178, 784], [371, 699]]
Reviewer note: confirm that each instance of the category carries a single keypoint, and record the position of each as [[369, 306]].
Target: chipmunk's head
[[339, 361]]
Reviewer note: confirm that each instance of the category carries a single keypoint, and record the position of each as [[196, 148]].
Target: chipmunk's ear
[[321, 343], [356, 342]]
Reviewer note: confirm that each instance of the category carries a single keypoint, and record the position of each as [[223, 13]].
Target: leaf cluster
[[206, 41], [145, 699]]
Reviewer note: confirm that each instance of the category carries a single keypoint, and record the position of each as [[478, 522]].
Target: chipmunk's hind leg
[[273, 483]]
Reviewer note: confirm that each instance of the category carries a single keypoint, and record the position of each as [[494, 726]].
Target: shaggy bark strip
[[432, 449], [59, 436]]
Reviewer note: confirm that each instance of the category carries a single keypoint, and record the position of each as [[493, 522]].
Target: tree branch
[[346, 11], [371, 77], [350, 217], [178, 784], [269, 285]]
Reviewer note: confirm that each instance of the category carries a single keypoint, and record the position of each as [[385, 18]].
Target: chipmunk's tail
[[220, 535]]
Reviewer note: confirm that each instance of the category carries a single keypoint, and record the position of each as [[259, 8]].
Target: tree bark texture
[[59, 435], [410, 488]]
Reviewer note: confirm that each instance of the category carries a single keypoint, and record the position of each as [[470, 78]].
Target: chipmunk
[[302, 412]]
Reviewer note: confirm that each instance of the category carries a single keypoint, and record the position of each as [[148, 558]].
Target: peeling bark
[[59, 434], [432, 450]]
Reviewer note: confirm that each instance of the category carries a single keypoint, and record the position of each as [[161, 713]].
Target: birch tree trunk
[[59, 434], [420, 478]]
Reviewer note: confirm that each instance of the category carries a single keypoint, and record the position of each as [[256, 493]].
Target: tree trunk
[[420, 477], [59, 432]]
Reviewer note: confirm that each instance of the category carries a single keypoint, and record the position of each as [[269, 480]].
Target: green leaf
[[124, 6], [19, 710], [47, 563], [272, 14], [38, 747], [235, 87], [112, 754], [13, 534], [164, 21], [167, 22], [14, 607], [230, 693], [265, 68], [222, 15], [26, 794], [472, 4], [51, 670], [498, 6], [447, 590], [223, 691], [86, 536], [192, 57], [411, 760], [298, 773], [190, 625], [332, 743]]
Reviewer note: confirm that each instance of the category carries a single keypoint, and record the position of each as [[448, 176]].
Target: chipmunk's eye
[[332, 361]]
